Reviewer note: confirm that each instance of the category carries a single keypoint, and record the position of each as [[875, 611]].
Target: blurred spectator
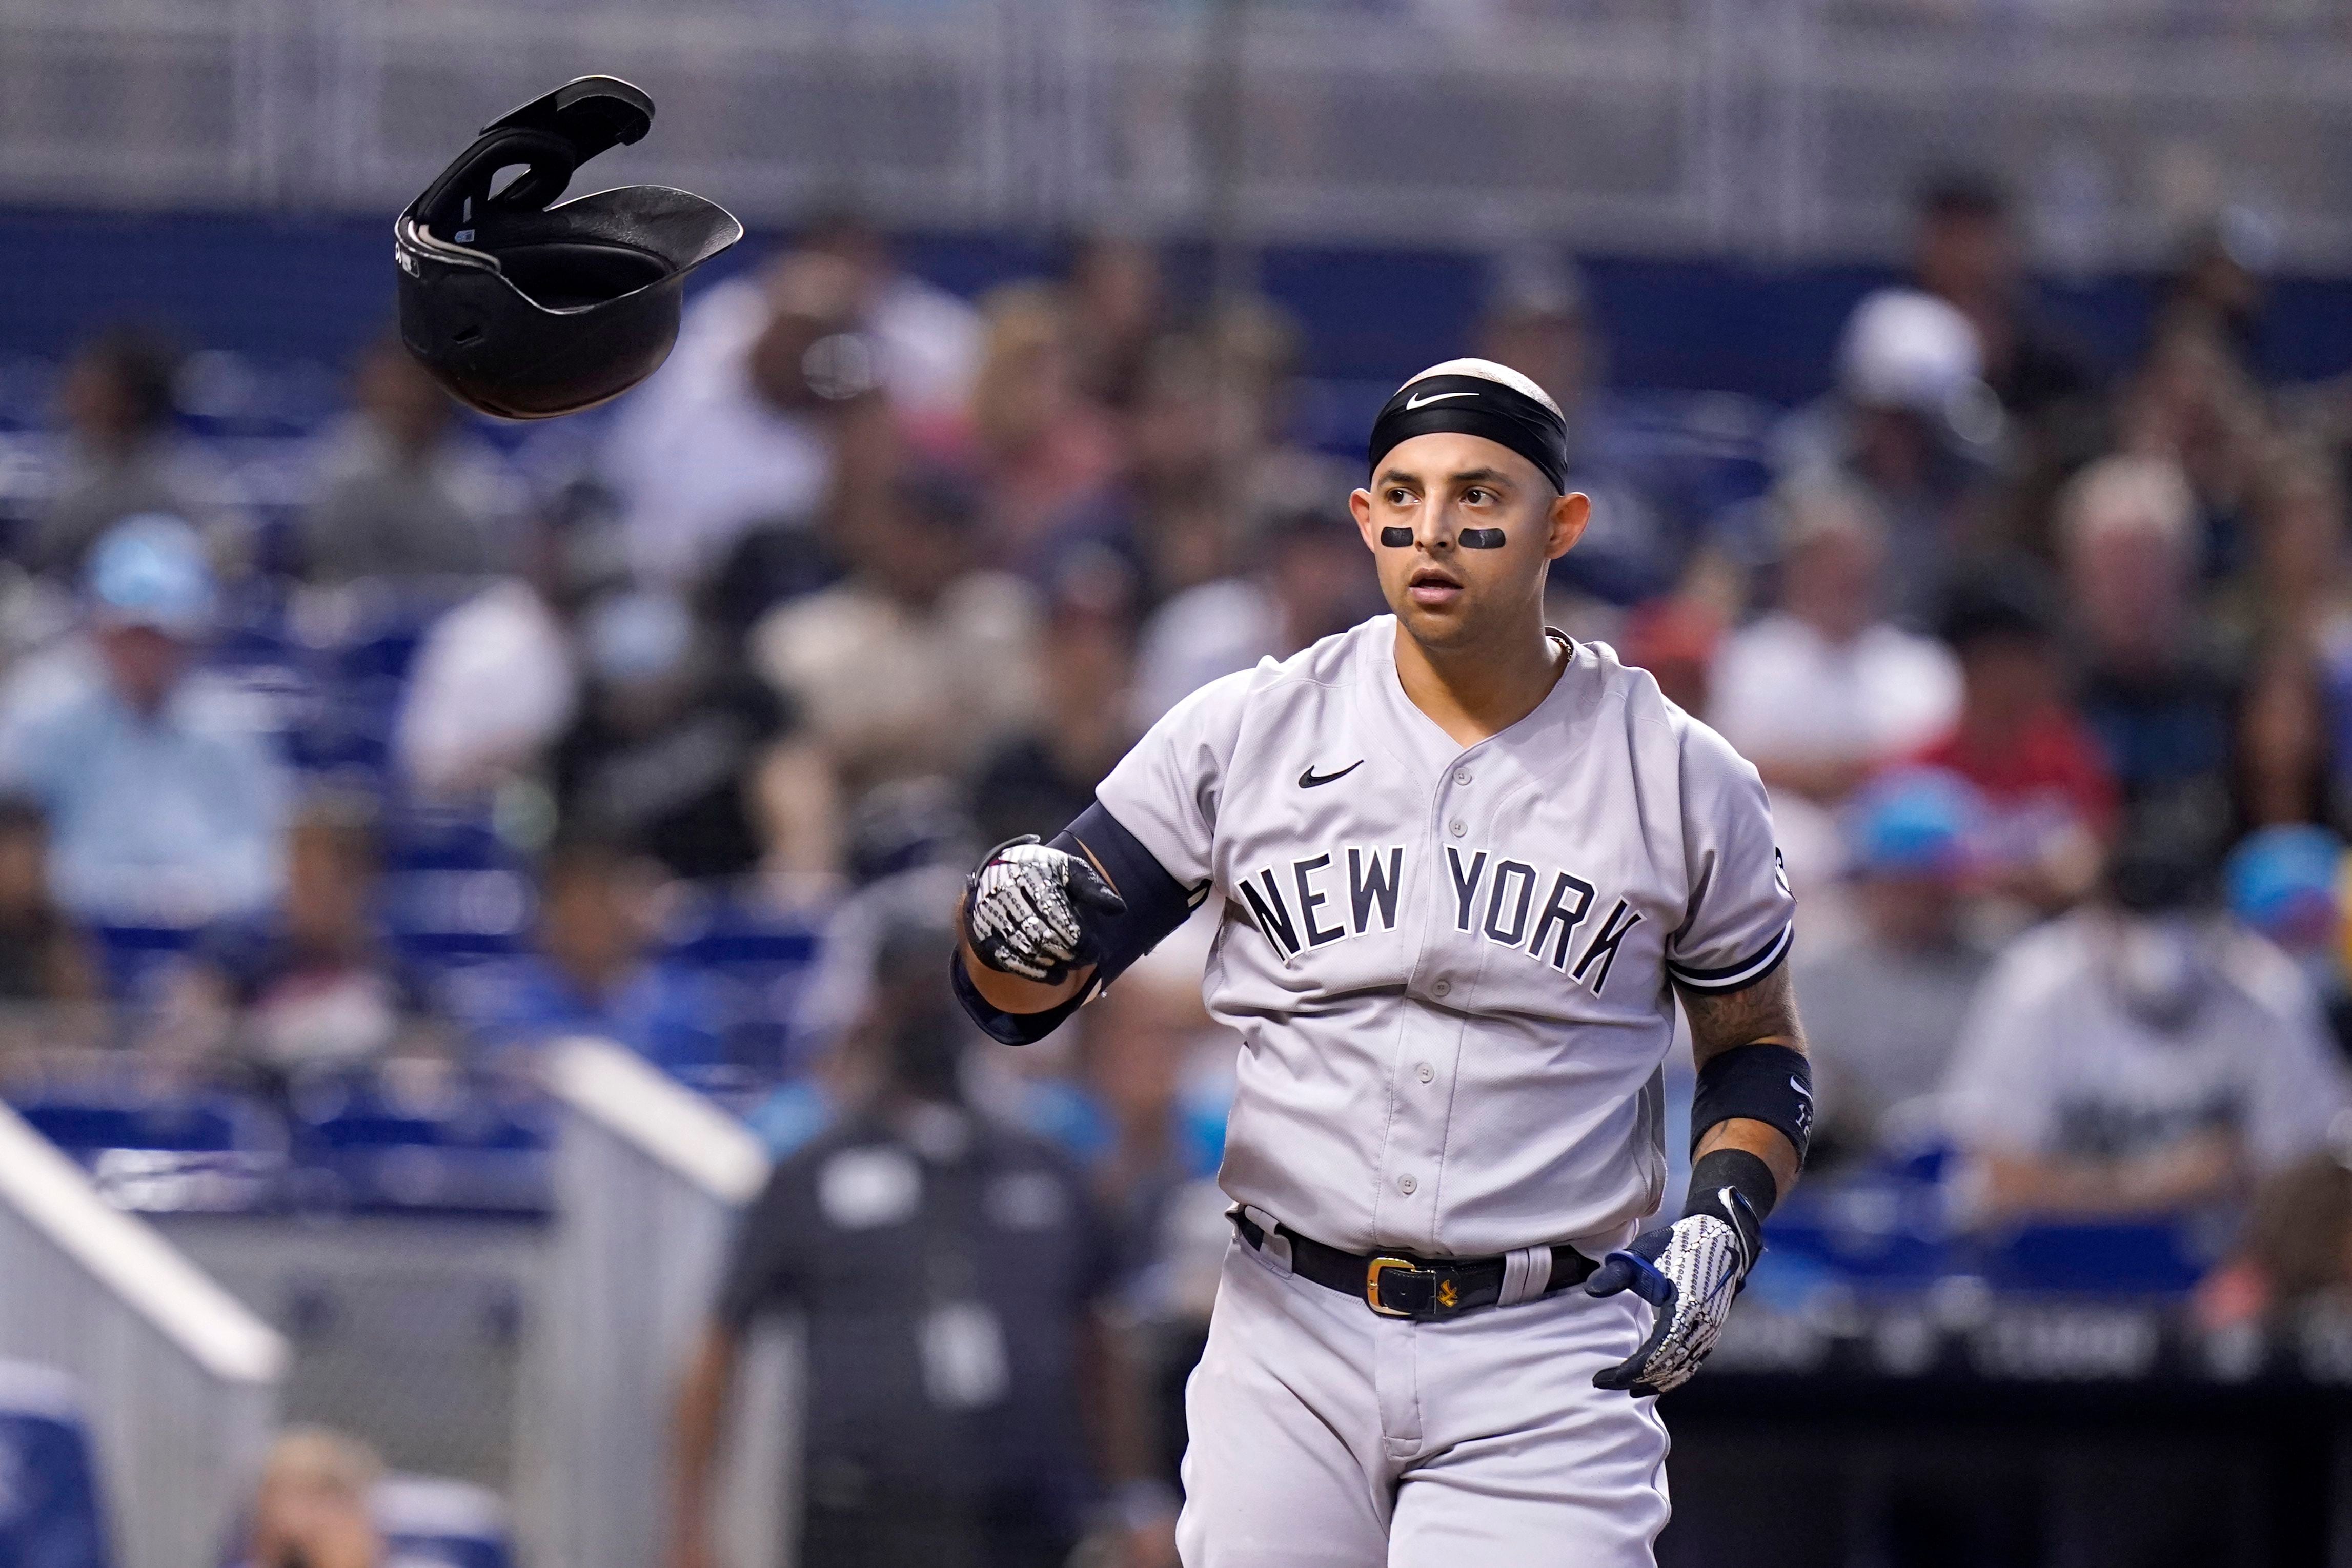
[[2297, 1255], [1045, 445], [735, 432], [594, 974], [162, 809], [1162, 1072], [1677, 639], [314, 989], [1883, 1006], [2139, 1056], [686, 754], [2218, 278], [1311, 579], [2050, 800], [44, 961], [1038, 780], [928, 342], [1118, 307], [950, 1271], [1537, 320], [1824, 689], [311, 1510], [2190, 405], [2155, 691], [403, 492], [122, 456], [2288, 884], [919, 661], [1170, 516], [495, 681], [1966, 251], [1913, 426]]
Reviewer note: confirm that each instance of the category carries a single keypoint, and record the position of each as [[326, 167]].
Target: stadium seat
[[432, 1524], [49, 1512]]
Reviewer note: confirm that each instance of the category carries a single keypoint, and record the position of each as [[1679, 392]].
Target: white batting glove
[[1023, 910], [1688, 1271]]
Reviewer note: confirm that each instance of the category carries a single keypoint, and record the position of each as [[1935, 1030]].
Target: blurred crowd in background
[[2048, 668]]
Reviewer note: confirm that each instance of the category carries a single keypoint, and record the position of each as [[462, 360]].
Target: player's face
[[1461, 530]]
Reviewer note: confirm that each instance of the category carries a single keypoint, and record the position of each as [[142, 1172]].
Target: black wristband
[[1738, 1170], [1766, 1083]]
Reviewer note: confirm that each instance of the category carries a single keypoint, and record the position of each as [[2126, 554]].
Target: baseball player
[[1464, 864]]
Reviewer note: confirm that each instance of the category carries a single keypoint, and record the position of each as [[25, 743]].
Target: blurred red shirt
[[2055, 757]]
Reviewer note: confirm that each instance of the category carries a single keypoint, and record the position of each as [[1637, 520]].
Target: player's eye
[[1400, 496], [1477, 495]]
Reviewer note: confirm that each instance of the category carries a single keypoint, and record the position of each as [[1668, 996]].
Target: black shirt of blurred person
[[121, 455], [1047, 775], [404, 493], [1966, 250], [315, 989], [43, 957], [2155, 690], [945, 1266], [670, 742]]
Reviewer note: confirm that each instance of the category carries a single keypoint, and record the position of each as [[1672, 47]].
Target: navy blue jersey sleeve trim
[[1156, 904], [1746, 972]]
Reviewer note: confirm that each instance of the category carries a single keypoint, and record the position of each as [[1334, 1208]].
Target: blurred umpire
[[967, 1401]]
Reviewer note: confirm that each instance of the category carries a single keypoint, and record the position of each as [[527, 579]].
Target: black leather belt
[[1401, 1285]]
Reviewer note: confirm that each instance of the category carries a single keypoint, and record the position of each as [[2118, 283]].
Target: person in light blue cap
[[1884, 1003], [161, 811], [2286, 881]]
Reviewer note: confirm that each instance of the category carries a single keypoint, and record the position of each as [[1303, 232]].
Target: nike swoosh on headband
[[1413, 403]]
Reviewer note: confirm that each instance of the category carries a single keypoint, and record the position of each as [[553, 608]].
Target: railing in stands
[[181, 1380], [648, 1179], [1780, 128]]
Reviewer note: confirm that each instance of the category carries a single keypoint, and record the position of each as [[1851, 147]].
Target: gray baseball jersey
[[1449, 966]]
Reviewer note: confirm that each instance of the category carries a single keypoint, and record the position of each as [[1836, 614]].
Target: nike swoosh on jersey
[[1413, 403], [1310, 779]]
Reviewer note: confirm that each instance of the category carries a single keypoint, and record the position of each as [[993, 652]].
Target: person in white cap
[[1913, 425]]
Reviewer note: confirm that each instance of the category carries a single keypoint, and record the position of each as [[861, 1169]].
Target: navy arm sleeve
[[1156, 904]]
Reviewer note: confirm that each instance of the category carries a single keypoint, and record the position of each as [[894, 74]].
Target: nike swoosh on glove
[[1688, 1271], [1023, 910]]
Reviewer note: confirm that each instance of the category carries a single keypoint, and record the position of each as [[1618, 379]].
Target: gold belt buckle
[[1372, 1284]]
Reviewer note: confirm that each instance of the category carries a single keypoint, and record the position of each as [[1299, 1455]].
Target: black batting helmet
[[527, 310]]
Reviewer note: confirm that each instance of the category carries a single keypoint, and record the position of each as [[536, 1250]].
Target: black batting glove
[[1024, 910]]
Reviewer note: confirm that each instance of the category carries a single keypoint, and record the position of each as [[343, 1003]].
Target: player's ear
[[1569, 514], [1359, 503]]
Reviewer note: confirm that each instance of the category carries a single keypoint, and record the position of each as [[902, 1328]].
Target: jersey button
[[1456, 827], [1406, 1185], [1462, 776], [1441, 988], [1426, 1073]]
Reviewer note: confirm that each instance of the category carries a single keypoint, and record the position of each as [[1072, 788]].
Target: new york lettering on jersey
[[1497, 909], [1448, 965]]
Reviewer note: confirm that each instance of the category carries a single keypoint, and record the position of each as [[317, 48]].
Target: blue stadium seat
[[432, 1524], [2151, 1258], [49, 1512], [471, 1156], [166, 1153], [756, 959]]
